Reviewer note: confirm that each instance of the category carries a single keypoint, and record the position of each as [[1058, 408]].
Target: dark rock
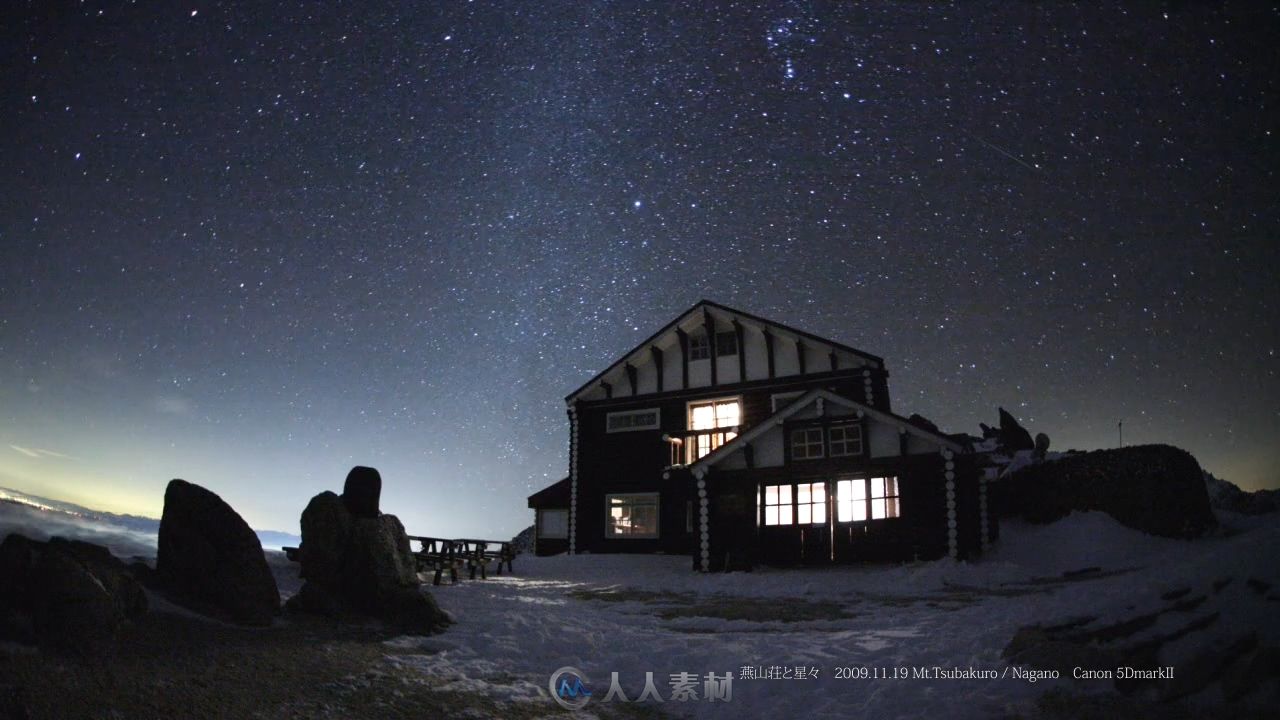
[[326, 531], [115, 576], [14, 704], [361, 565], [66, 595], [361, 491], [1042, 446], [523, 541], [1157, 489], [72, 610], [209, 559], [378, 561], [1224, 495], [413, 612], [1013, 437]]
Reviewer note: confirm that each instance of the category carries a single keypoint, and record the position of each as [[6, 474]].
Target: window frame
[[657, 420], [806, 430], [732, 338], [789, 504], [699, 347], [729, 432], [867, 502], [844, 427], [542, 524], [657, 516]]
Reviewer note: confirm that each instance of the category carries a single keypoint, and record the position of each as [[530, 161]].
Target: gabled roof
[[700, 305], [800, 403]]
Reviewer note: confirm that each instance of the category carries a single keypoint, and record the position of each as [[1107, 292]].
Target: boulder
[[361, 564], [66, 595], [378, 560], [1158, 489], [413, 612], [210, 560], [326, 529], [361, 491], [1042, 446]]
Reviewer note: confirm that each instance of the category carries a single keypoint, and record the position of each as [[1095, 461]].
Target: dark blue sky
[[253, 246]]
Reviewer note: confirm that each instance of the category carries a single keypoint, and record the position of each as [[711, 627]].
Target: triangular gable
[[666, 341], [700, 467]]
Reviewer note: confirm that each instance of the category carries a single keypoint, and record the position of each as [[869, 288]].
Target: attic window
[[806, 443], [699, 348], [727, 343], [845, 439]]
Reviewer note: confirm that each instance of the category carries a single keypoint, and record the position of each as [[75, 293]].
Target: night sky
[[253, 244]]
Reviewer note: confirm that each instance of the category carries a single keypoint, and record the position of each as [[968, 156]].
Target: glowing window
[[777, 505], [884, 497], [811, 503], [851, 500], [855, 504], [631, 516], [713, 415]]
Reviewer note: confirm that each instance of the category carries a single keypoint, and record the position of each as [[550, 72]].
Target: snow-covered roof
[[942, 441]]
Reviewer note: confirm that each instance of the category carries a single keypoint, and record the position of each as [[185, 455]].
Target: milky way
[[254, 245]]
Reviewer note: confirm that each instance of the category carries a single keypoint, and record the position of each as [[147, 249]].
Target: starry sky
[[253, 244]]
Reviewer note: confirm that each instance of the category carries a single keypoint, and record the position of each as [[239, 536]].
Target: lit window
[[851, 500], [855, 504], [811, 503], [553, 524], [884, 498], [632, 420], [845, 440], [806, 443], [631, 516], [777, 505], [712, 415], [726, 343], [699, 347]]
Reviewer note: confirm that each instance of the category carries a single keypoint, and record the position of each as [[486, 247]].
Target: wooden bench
[[440, 555]]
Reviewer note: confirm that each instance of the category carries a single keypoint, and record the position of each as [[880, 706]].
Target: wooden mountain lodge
[[741, 441]]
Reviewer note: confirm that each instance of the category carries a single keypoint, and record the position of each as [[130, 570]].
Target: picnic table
[[438, 554]]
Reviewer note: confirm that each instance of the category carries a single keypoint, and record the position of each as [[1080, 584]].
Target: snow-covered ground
[[633, 615], [638, 614]]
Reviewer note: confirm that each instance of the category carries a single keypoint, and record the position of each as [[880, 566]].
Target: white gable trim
[[812, 397], [690, 321]]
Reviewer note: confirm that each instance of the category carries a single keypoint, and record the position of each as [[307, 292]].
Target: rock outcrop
[[211, 560], [361, 564], [1158, 489], [66, 595], [361, 491]]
